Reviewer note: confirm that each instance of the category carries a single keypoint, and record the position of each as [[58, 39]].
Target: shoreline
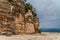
[[37, 36]]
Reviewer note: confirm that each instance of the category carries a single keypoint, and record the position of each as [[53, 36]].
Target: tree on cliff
[[29, 7]]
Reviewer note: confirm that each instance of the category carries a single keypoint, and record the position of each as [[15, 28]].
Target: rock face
[[13, 18]]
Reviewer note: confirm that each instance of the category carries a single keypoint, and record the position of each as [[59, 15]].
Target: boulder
[[29, 28]]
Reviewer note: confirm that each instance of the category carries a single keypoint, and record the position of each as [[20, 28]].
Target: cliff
[[14, 18]]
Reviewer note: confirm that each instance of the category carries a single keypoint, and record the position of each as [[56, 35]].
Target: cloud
[[48, 11]]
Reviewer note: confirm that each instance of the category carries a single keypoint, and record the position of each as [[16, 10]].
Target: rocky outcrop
[[13, 18]]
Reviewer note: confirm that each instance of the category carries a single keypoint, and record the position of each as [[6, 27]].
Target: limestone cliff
[[15, 19]]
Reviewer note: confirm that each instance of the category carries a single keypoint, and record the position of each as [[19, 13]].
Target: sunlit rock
[[13, 18]]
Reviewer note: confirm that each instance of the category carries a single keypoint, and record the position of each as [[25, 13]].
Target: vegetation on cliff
[[28, 6]]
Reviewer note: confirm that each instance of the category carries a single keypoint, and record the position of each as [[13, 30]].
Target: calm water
[[50, 30]]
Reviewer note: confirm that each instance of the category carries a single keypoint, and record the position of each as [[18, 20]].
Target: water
[[50, 30]]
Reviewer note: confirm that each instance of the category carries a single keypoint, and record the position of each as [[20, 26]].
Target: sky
[[48, 12]]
